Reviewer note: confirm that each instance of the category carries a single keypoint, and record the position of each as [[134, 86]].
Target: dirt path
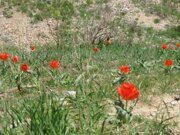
[[165, 106]]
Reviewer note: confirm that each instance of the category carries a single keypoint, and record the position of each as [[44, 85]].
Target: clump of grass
[[156, 20], [7, 13]]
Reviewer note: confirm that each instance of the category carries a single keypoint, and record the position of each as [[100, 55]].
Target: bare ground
[[19, 30], [164, 106]]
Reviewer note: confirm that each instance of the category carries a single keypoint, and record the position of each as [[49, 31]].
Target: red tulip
[[178, 45], [95, 49], [164, 46], [127, 91], [15, 59], [4, 56], [124, 69], [54, 64], [24, 67], [32, 47], [168, 62]]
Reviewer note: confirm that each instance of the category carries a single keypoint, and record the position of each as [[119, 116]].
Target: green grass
[[39, 110], [156, 20]]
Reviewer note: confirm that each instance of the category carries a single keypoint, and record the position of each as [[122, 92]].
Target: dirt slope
[[19, 31]]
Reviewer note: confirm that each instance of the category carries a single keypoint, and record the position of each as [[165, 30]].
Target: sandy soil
[[19, 30]]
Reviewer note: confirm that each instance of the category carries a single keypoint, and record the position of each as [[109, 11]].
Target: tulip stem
[[18, 82], [126, 107], [132, 107]]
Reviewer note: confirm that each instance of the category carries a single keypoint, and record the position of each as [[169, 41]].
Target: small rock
[[174, 103], [177, 98], [70, 93]]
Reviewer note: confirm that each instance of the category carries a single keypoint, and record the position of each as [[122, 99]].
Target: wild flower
[[24, 67], [164, 46], [168, 62], [124, 69], [127, 91], [54, 64], [15, 59], [95, 49], [32, 47], [178, 45], [4, 56]]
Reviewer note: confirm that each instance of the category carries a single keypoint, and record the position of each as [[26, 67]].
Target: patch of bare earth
[[18, 30], [163, 107]]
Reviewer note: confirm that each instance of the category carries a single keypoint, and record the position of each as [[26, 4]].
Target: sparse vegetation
[[163, 8], [156, 20]]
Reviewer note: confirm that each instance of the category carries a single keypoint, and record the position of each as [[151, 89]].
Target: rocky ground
[[19, 30], [164, 108]]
